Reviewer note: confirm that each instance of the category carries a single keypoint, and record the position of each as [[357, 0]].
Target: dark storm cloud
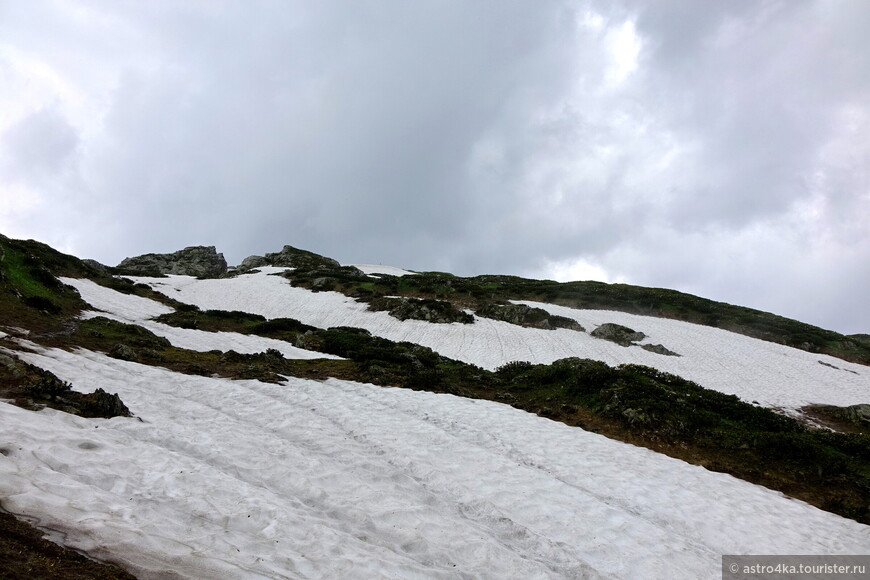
[[716, 147], [335, 129]]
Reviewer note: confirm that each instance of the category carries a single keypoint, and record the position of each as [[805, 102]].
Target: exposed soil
[[25, 554]]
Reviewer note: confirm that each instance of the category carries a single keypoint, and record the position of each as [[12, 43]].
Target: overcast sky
[[717, 147]]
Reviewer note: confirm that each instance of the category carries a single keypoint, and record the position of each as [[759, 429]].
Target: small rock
[[658, 349], [123, 352]]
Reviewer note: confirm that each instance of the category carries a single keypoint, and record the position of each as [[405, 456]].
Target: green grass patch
[[31, 296]]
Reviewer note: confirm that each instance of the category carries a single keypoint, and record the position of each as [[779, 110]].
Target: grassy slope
[[32, 298]]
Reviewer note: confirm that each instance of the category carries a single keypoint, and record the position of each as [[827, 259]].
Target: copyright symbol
[[734, 568]]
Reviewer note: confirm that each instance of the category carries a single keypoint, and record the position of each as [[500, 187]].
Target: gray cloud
[[715, 147], [38, 146]]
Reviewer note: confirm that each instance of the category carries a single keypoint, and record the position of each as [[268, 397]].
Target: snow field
[[242, 479], [775, 376]]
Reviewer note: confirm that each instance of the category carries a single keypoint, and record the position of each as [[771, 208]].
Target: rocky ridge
[[288, 257], [199, 261]]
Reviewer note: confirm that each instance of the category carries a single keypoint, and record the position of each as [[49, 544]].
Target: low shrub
[[42, 304]]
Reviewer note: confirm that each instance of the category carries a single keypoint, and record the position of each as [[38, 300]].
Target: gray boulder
[[123, 352], [199, 261], [658, 349], [621, 335], [856, 414], [252, 262]]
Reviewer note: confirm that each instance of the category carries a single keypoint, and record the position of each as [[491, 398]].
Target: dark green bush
[[277, 325], [512, 369], [45, 278], [49, 386], [43, 304], [120, 332], [235, 315], [122, 285], [803, 450]]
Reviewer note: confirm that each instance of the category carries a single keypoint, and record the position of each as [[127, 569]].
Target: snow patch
[[776, 376], [137, 310]]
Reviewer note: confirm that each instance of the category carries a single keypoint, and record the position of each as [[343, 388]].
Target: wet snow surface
[[241, 479], [755, 370]]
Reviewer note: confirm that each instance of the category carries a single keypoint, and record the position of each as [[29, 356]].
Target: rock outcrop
[[436, 311], [199, 261], [31, 387], [523, 315], [288, 257], [99, 268], [621, 335], [251, 263], [858, 415]]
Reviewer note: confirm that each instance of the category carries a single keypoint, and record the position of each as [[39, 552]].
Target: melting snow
[[755, 370], [241, 479]]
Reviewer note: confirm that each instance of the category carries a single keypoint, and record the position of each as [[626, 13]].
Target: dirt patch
[[26, 555]]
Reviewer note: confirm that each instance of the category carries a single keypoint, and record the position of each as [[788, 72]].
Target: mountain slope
[[756, 370], [288, 477]]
